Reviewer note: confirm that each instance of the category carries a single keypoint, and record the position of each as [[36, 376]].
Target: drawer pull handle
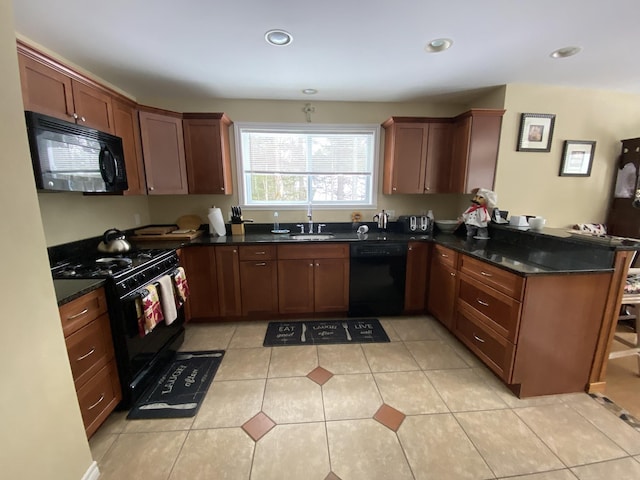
[[83, 312], [260, 253], [478, 338], [486, 274], [444, 255], [484, 304], [90, 352], [97, 403], [261, 264]]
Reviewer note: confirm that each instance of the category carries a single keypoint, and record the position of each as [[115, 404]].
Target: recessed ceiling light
[[565, 52], [279, 38], [309, 91], [438, 45]]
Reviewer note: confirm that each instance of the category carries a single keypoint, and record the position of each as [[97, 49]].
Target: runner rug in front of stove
[[179, 390]]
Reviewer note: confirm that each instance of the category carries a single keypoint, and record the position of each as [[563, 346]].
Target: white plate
[[280, 231]]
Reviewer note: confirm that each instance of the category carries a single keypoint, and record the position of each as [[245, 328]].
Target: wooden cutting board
[[169, 236], [154, 230]]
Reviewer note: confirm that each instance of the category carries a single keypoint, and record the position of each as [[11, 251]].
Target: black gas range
[[139, 358]]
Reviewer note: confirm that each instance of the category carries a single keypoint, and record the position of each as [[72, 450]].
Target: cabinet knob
[[82, 119], [453, 274], [75, 115], [222, 188], [151, 189], [394, 189]]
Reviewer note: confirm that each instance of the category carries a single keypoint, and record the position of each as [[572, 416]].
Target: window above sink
[[292, 165]]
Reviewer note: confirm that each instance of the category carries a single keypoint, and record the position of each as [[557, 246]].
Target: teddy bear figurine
[[477, 217]]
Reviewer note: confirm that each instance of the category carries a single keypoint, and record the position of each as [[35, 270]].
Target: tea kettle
[[113, 241], [382, 218]]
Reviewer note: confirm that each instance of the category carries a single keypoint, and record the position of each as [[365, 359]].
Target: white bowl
[[446, 226]]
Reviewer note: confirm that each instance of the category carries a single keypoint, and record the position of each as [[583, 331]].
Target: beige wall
[[42, 432], [528, 183]]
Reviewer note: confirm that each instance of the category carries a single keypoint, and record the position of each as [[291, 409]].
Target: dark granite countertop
[[522, 251], [68, 290]]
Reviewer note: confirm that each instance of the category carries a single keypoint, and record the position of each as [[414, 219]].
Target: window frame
[[310, 128]]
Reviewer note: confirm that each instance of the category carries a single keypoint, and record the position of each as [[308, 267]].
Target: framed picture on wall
[[536, 131], [577, 158]]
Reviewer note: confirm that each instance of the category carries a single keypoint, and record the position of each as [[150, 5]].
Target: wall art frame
[[577, 158], [536, 132]]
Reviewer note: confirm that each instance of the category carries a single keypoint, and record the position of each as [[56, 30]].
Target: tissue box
[[518, 221]]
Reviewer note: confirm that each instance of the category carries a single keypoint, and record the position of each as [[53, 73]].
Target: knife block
[[237, 229]]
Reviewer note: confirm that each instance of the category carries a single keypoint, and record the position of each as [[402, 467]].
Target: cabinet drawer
[[503, 281], [333, 250], [89, 349], [498, 310], [98, 397], [493, 349], [445, 255], [79, 312], [258, 252]]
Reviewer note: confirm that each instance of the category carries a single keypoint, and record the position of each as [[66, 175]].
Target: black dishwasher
[[377, 278]]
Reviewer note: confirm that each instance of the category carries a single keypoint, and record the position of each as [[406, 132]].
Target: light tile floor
[[449, 418]]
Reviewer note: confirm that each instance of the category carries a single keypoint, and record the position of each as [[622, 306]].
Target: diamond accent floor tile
[[320, 375], [332, 476], [389, 417], [258, 426]]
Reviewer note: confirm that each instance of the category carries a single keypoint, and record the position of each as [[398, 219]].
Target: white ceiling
[[349, 50]]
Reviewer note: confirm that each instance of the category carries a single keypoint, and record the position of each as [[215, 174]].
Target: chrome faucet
[[309, 216]]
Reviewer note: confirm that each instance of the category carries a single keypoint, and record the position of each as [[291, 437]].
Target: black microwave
[[73, 158]]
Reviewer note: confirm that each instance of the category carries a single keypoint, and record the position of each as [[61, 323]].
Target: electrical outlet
[[136, 219]]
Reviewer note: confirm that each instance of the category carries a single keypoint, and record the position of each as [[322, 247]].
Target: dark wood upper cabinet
[[416, 157], [476, 137], [206, 143], [52, 89], [441, 155], [163, 152], [125, 117]]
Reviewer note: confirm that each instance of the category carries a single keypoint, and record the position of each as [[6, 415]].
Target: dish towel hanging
[[181, 286], [148, 309], [167, 299]]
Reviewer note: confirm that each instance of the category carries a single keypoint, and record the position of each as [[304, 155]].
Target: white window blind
[[282, 165]]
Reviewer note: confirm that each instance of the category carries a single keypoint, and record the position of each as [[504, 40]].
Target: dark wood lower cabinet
[[415, 295], [295, 285], [200, 266], [259, 287], [228, 273]]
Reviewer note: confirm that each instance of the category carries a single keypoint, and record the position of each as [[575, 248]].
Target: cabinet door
[[163, 153], [200, 268], [442, 292], [438, 165], [476, 137], [259, 286], [206, 142], [92, 107], [125, 121], [415, 297], [405, 162], [295, 286], [459, 156], [228, 273], [45, 90], [331, 285]]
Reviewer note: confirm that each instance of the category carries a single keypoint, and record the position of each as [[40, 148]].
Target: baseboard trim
[[92, 473]]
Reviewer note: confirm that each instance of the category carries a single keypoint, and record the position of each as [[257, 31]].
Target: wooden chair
[[630, 311]]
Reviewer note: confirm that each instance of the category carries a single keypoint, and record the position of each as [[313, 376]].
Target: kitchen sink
[[312, 236]]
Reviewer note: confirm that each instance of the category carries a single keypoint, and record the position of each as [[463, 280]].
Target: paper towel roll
[[216, 222]]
